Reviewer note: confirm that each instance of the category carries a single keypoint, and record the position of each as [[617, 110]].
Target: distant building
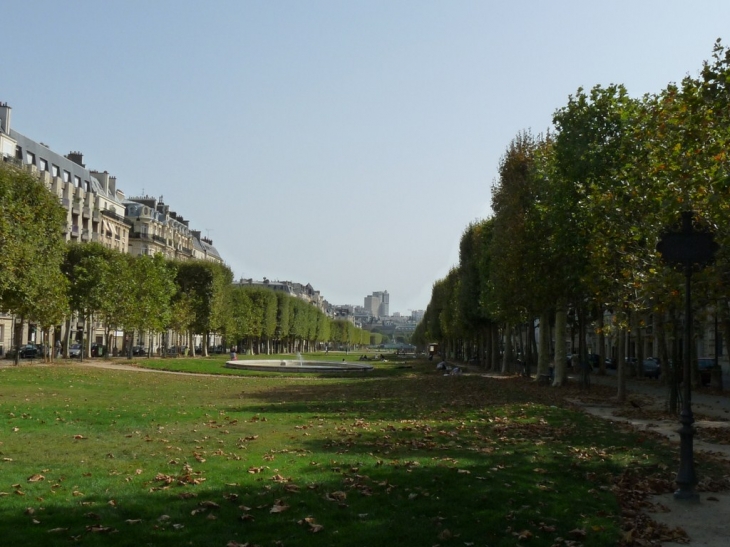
[[372, 305], [417, 315], [203, 248], [94, 209], [304, 292], [378, 304], [93, 204]]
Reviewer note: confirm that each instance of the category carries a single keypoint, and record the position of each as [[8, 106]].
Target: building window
[[86, 185], [66, 176], [30, 158], [54, 170], [43, 165], [77, 181]]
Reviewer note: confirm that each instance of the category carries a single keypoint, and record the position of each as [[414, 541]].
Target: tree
[[91, 279], [597, 199], [152, 293], [31, 246], [282, 319], [208, 288]]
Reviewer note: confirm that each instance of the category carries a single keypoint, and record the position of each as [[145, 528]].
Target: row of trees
[[577, 214], [45, 281]]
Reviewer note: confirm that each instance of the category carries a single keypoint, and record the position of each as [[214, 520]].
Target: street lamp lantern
[[691, 247]]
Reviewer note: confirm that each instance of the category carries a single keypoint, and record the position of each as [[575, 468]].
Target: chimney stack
[[76, 157], [5, 118]]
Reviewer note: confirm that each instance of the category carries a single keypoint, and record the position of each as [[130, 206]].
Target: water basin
[[293, 365]]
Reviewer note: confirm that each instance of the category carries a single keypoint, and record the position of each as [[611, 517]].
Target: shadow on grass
[[409, 395], [418, 459], [486, 499]]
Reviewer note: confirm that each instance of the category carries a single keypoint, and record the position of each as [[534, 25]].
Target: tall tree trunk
[[560, 375], [639, 343], [582, 350], [494, 364], [601, 343], [667, 375], [67, 337], [543, 350], [621, 366], [530, 360], [18, 337], [507, 357], [674, 405]]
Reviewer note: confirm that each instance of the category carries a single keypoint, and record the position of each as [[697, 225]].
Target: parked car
[[98, 350], [74, 351], [610, 363], [28, 351], [705, 366], [592, 359], [139, 350], [652, 367], [176, 350]]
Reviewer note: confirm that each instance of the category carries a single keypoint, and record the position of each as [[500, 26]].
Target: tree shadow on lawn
[[414, 396], [483, 499], [477, 483]]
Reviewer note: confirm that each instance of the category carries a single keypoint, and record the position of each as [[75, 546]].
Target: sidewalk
[[706, 522], [705, 401]]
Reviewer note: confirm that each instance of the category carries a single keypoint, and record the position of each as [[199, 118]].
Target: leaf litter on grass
[[423, 445]]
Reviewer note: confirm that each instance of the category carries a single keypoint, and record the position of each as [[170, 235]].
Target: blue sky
[[345, 144]]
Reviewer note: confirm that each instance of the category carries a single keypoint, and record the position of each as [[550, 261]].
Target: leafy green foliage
[[578, 213], [31, 247]]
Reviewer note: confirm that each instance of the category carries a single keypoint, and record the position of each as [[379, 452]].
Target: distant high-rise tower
[[372, 305], [378, 304]]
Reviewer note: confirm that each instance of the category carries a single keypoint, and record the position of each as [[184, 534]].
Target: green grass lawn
[[401, 457]]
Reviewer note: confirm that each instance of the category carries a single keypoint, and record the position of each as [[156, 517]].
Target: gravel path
[[706, 522]]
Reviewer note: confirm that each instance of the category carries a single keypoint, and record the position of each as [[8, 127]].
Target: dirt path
[[707, 523]]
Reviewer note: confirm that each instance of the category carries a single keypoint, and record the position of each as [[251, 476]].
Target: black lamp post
[[689, 248]]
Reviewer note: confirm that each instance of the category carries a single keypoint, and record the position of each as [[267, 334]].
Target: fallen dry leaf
[[98, 529], [279, 507]]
